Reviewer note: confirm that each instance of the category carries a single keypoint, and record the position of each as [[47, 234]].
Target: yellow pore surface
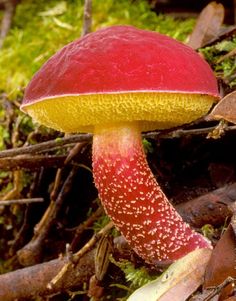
[[81, 113]]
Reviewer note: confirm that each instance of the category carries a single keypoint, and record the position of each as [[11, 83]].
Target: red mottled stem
[[134, 200]]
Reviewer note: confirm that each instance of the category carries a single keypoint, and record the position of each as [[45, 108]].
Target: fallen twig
[[32, 281], [34, 190], [70, 156], [77, 256], [31, 162], [7, 19], [20, 201], [218, 289], [87, 21], [212, 208], [31, 253], [54, 144], [45, 146]]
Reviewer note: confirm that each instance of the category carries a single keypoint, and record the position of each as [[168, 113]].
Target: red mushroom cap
[[108, 61]]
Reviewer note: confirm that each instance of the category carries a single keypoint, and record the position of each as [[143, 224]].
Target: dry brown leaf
[[222, 263], [208, 25], [225, 109], [178, 282]]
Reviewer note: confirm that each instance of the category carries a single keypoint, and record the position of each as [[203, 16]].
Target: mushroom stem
[[134, 200]]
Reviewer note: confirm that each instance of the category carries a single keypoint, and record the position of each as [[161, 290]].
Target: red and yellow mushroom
[[116, 83]]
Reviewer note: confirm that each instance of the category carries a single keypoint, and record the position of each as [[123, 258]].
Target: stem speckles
[[135, 202]]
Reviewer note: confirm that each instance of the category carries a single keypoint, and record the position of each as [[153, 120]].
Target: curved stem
[[134, 200]]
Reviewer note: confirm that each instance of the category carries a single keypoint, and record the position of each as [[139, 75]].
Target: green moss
[[135, 276], [42, 27], [148, 148], [223, 65], [4, 137]]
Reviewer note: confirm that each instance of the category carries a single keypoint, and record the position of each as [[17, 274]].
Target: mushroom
[[116, 83]]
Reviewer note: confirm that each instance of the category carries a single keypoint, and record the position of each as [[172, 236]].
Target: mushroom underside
[[81, 113]]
